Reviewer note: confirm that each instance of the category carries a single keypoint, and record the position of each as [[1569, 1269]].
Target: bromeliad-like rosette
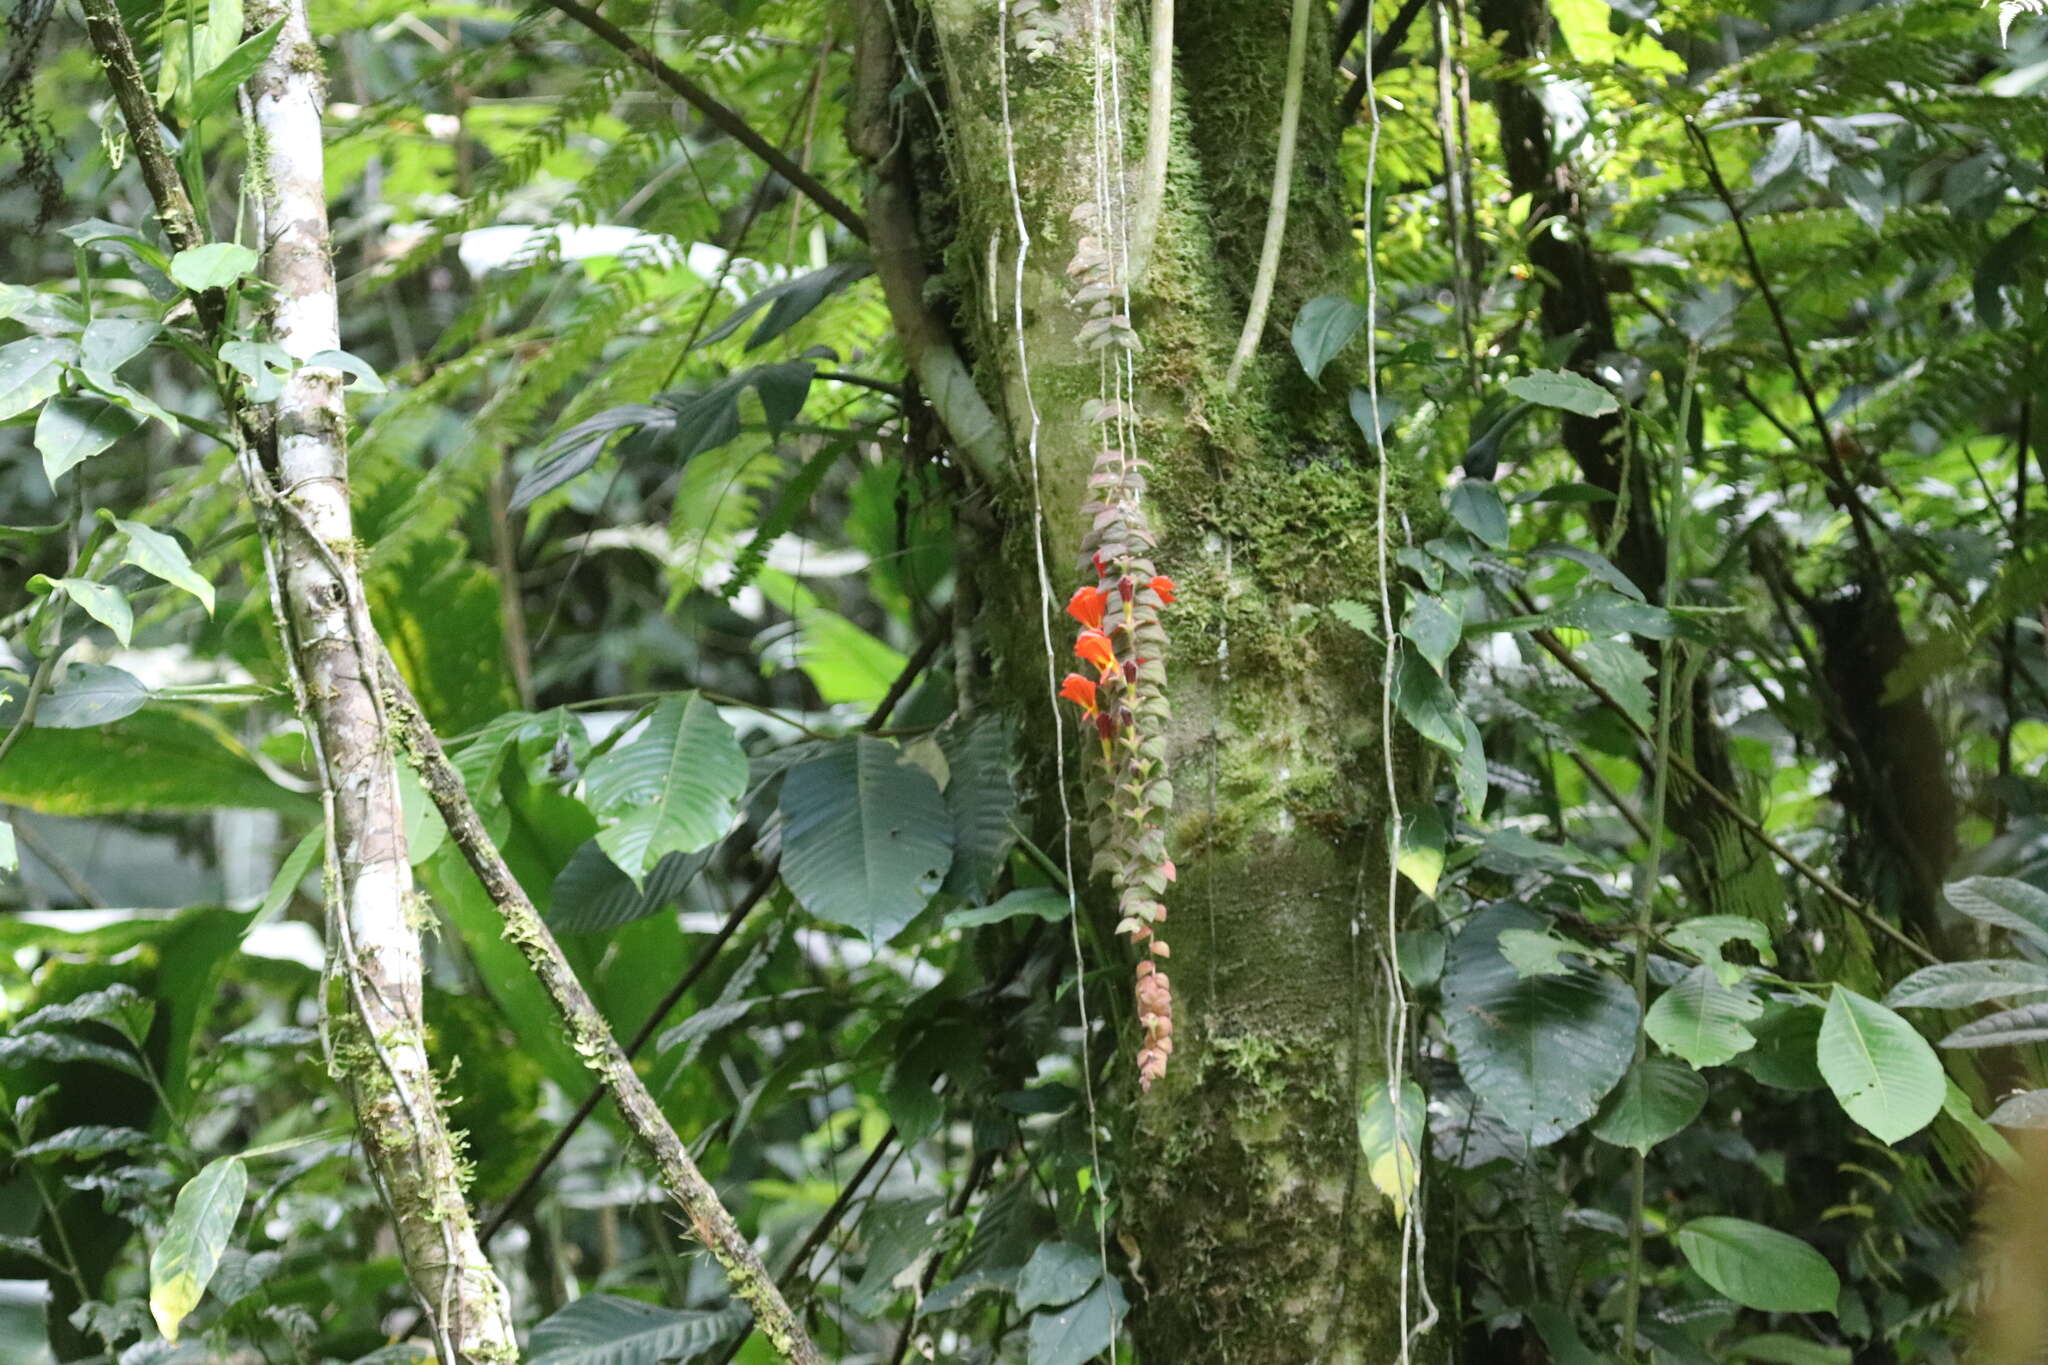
[[1123, 698]]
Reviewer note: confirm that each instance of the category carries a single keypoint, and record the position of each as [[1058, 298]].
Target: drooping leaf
[[1057, 1273], [1706, 935], [1955, 985], [89, 695], [1427, 703], [104, 603], [30, 371], [1325, 327], [1656, 1099], [214, 90], [1701, 1020], [1078, 1332], [788, 303], [1538, 953], [591, 894], [673, 788], [159, 555], [1540, 1052], [1786, 1040], [1042, 901], [1879, 1067], [71, 430], [1759, 1267], [2026, 1024], [1433, 624], [981, 794], [867, 838], [2028, 1109], [163, 758], [1391, 1132], [366, 376], [1421, 855], [602, 1329], [1476, 506], [1563, 389], [202, 1220]]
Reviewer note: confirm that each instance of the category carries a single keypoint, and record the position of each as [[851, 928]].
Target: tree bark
[[375, 1026], [1258, 1238]]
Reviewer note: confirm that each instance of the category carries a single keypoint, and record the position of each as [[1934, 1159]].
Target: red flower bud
[[1127, 588], [1086, 606], [1131, 672], [1105, 727]]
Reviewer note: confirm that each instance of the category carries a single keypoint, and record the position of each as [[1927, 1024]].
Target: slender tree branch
[[720, 116], [1283, 189]]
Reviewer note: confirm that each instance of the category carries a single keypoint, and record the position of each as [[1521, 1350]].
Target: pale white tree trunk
[[376, 1032]]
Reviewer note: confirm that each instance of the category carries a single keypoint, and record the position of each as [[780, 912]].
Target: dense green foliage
[[1724, 924]]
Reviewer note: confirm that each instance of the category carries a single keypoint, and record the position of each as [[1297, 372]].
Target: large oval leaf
[[1541, 1051], [1759, 1267], [202, 1219], [1655, 1100], [599, 1329], [1325, 327], [1702, 1020], [2027, 1024], [1953, 985], [1078, 1332], [1879, 1066], [674, 788], [2004, 902], [866, 837]]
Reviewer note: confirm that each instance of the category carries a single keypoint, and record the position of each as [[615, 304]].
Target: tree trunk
[[1258, 1238], [377, 1033]]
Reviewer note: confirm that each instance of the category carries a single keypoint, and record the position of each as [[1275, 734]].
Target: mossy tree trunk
[[1258, 1237]]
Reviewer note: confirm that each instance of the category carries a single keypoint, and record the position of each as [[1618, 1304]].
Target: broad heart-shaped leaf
[[1078, 1332], [2027, 1024], [89, 695], [1420, 857], [159, 555], [866, 837], [1954, 985], [591, 894], [599, 1329], [72, 430], [213, 266], [30, 371], [1759, 1267], [202, 1220], [1325, 327], [1057, 1273], [1433, 624], [1427, 703], [1541, 1051], [1475, 505], [1391, 1134], [1702, 1020], [1562, 389], [1656, 1099], [2009, 904], [674, 788], [1879, 1066]]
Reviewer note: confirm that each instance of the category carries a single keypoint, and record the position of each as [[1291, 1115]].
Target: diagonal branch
[[720, 116]]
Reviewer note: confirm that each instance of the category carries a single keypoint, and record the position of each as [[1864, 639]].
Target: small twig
[[1383, 50], [1283, 189], [721, 117], [50, 858], [38, 684]]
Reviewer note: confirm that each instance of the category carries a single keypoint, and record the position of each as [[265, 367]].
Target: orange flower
[[1077, 688], [1095, 648], [1086, 606], [1164, 587]]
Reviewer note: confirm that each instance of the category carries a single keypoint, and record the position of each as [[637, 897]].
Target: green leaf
[[1562, 389], [1786, 1039], [591, 895], [120, 1007], [1704, 935], [161, 759], [107, 345], [1420, 956], [62, 1047], [788, 303], [161, 556], [1078, 1332], [30, 371], [1779, 1348], [1042, 901], [215, 90], [982, 797], [1475, 505], [1434, 625], [1427, 703], [601, 1329], [1391, 1133], [2028, 1109], [2009, 904], [2027, 1024], [1879, 1067], [1655, 1100], [1702, 1020], [365, 374], [866, 837], [1621, 670], [1057, 1273], [1421, 855], [202, 1220], [1471, 774], [673, 788], [10, 856], [213, 266], [1759, 1267], [1954, 985], [88, 1141], [103, 603], [72, 430], [1325, 327], [1540, 1052], [1535, 952], [89, 695]]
